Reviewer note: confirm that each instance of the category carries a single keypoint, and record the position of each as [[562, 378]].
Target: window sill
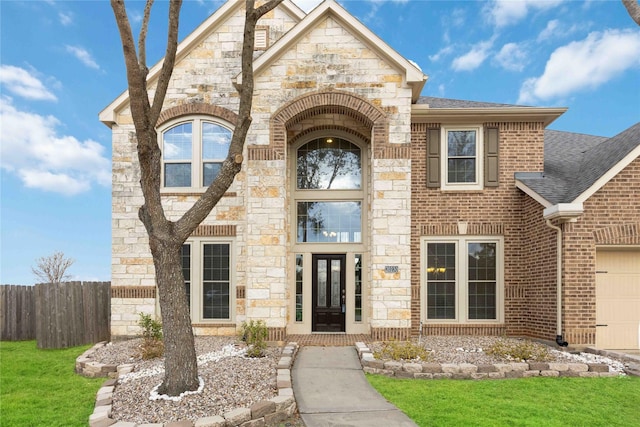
[[191, 192]]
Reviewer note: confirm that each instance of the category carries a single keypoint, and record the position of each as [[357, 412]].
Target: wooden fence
[[65, 315], [17, 313]]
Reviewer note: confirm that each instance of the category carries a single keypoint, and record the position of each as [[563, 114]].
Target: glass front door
[[329, 293]]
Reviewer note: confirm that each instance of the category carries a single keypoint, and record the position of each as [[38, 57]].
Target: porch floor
[[329, 340]]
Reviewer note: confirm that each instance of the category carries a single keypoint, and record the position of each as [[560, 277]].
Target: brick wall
[[493, 211], [612, 217]]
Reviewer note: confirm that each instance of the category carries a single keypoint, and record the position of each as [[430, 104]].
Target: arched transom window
[[329, 191]]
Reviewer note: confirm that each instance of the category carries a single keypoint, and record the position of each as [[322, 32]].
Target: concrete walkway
[[331, 390]]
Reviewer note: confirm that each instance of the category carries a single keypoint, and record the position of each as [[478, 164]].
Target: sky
[[61, 63]]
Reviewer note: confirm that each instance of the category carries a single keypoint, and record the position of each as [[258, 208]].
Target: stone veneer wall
[[346, 86]]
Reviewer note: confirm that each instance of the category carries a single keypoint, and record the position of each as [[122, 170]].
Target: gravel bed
[[472, 349], [229, 383], [234, 382]]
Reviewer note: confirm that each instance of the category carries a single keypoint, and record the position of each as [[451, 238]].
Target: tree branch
[[633, 7], [142, 39], [169, 61], [233, 163]]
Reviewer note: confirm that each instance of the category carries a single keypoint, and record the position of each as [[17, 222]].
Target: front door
[[328, 293]]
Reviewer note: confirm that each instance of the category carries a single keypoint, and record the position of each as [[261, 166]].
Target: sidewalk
[[331, 390]]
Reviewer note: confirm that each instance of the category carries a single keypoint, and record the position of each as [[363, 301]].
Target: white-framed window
[[328, 191], [193, 150], [462, 279], [461, 160], [209, 279]]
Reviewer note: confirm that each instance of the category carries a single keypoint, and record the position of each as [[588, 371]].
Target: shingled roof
[[574, 162], [434, 102]]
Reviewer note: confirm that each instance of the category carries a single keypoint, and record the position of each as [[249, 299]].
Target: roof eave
[[564, 212], [533, 194], [422, 113]]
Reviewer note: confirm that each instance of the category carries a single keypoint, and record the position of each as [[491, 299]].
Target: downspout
[[559, 339], [564, 212]]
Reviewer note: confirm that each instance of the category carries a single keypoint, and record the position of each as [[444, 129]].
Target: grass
[[516, 402], [40, 387]]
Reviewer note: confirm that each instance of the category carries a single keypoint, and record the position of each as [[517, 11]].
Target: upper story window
[[193, 152], [329, 164], [461, 165], [329, 191], [463, 157]]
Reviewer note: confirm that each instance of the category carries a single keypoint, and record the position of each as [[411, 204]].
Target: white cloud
[[584, 64], [549, 30], [442, 52], [474, 58], [24, 84], [512, 57], [84, 56], [54, 182], [32, 149], [508, 12], [458, 17], [65, 18], [555, 29]]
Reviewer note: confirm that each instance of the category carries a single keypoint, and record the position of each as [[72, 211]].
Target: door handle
[[602, 325]]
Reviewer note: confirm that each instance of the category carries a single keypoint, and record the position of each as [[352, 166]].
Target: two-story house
[[365, 208]]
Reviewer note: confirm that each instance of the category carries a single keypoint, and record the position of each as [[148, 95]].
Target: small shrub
[[255, 334], [152, 344], [519, 351], [402, 350]]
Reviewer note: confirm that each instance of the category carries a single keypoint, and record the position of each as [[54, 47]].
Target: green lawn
[[40, 388], [516, 402]]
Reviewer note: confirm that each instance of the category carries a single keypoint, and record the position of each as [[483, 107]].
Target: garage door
[[618, 299]]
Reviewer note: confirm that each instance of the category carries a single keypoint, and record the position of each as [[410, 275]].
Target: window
[[193, 152], [206, 267], [463, 279], [462, 149], [463, 157], [329, 192]]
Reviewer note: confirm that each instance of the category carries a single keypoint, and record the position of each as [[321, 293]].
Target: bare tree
[[633, 8], [166, 237], [52, 268]]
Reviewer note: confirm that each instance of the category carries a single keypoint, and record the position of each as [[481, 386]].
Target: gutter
[[563, 212]]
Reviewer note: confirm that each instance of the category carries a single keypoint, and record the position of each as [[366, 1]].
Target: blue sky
[[61, 64]]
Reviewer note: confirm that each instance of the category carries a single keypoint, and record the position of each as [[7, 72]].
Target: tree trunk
[[181, 370]]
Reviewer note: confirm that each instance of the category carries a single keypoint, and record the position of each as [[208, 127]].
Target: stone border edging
[[477, 372], [264, 412]]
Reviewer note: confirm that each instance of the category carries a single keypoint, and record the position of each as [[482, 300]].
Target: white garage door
[[618, 299]]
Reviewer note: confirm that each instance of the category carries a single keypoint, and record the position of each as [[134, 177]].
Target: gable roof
[[414, 77], [108, 115], [577, 165]]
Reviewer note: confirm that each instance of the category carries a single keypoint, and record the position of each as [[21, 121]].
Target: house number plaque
[[390, 269]]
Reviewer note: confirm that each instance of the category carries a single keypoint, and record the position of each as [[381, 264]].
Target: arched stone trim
[[193, 109], [346, 130], [624, 234], [326, 102]]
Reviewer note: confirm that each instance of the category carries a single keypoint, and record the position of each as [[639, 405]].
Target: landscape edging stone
[[279, 407]]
